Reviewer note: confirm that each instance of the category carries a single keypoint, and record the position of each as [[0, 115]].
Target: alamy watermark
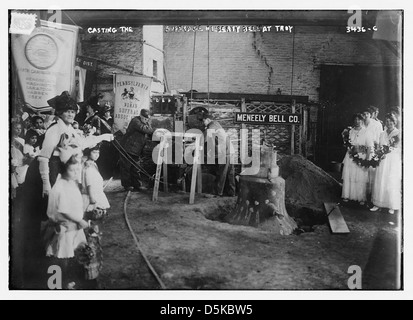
[[219, 149], [354, 281]]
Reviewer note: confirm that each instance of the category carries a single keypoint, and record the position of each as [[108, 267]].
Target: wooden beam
[[244, 139], [292, 130], [165, 176], [158, 170], [300, 132], [136, 18], [247, 96], [194, 172], [335, 218]]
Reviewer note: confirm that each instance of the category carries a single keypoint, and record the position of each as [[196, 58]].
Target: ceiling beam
[[107, 18]]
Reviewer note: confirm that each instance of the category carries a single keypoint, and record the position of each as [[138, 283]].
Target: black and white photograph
[[206, 150]]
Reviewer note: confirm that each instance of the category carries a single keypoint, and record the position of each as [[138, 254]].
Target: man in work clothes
[[218, 142], [133, 142]]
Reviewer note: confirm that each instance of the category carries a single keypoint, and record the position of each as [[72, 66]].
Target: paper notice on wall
[[45, 62], [80, 80], [132, 94]]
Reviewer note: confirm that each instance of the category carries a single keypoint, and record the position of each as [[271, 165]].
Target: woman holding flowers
[[355, 173], [387, 185]]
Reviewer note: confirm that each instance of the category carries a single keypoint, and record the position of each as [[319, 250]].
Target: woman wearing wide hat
[[60, 141], [109, 156]]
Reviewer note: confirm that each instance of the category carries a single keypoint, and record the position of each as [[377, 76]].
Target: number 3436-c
[[360, 29]]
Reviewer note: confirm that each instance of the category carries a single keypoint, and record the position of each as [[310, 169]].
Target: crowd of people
[[57, 174], [58, 191], [372, 171]]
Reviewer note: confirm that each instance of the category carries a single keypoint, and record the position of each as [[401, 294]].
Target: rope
[[137, 243], [107, 183], [208, 64], [71, 19], [124, 153], [193, 66], [292, 65]]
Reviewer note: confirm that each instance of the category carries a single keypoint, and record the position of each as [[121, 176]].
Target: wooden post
[[158, 170], [199, 181], [305, 131], [244, 142], [292, 128], [184, 112], [300, 133], [199, 177], [194, 172], [165, 176]]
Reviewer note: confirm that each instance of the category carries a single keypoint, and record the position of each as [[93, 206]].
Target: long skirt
[[355, 180], [387, 185], [34, 210]]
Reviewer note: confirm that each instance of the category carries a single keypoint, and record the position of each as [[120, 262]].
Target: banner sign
[[132, 94], [45, 62], [268, 118], [86, 63]]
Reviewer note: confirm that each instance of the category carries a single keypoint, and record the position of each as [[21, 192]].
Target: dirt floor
[[190, 251]]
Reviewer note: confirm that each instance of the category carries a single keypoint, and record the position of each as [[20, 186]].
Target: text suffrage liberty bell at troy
[[230, 28]]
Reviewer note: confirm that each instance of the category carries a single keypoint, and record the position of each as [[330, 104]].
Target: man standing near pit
[[133, 142], [219, 142]]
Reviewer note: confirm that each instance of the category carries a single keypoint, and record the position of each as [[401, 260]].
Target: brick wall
[[120, 49], [262, 62]]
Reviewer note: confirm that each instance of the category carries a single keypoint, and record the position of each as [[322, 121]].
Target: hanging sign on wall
[[268, 118], [45, 61]]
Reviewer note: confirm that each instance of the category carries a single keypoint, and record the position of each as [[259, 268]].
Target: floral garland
[[380, 152], [356, 152]]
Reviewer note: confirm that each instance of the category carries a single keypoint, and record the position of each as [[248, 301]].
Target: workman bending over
[[133, 142]]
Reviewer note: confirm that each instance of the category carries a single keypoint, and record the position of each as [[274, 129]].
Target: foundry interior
[[278, 89]]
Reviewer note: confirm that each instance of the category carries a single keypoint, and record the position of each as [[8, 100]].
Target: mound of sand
[[306, 185]]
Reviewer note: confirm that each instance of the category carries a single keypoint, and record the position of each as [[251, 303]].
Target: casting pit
[[289, 203]]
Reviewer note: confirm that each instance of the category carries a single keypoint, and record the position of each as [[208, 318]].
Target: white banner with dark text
[[45, 62], [132, 94]]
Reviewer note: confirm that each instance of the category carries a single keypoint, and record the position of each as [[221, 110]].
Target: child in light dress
[[65, 211], [94, 199], [30, 149], [95, 205]]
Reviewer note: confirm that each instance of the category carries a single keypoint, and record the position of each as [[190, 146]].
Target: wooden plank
[[335, 218], [247, 97], [194, 172], [137, 18], [156, 186], [199, 181], [244, 139], [165, 177], [158, 171]]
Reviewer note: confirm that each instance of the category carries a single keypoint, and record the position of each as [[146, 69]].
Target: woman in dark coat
[[60, 139]]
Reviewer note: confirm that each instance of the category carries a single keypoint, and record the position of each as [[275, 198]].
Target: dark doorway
[[345, 90]]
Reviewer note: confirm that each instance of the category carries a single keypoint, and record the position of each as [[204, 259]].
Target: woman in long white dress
[[387, 185], [355, 177]]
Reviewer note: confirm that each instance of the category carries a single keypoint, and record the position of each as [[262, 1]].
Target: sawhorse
[[161, 162]]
